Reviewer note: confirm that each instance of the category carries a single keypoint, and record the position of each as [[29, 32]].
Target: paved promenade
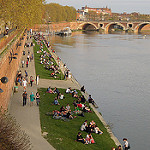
[[57, 83], [28, 117]]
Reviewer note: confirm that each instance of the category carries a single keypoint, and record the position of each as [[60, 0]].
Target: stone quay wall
[[9, 70], [55, 27]]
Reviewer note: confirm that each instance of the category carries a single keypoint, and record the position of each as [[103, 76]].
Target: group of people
[[89, 128], [126, 145], [26, 79], [32, 98], [46, 58]]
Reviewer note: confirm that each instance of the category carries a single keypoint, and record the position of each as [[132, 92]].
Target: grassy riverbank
[[62, 134], [40, 68]]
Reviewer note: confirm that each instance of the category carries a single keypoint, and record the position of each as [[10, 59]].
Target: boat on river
[[65, 32]]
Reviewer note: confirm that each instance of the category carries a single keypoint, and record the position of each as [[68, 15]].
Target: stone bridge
[[104, 25], [107, 26]]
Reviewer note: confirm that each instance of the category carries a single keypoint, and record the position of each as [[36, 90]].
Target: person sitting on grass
[[89, 139], [61, 96], [67, 107], [62, 109], [77, 110], [56, 101], [80, 105], [90, 129], [82, 89], [53, 74], [50, 91], [97, 130], [83, 100], [86, 109], [68, 90], [69, 116], [74, 103], [56, 91], [84, 126], [81, 139], [91, 100]]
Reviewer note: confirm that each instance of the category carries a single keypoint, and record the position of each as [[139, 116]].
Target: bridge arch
[[140, 26], [109, 25], [87, 25]]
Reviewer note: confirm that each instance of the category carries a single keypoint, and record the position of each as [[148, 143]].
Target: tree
[[21, 13], [11, 136], [58, 13]]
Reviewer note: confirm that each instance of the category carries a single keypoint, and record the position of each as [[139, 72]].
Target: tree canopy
[[56, 13], [21, 12]]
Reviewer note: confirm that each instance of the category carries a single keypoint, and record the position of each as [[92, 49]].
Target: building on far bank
[[84, 11]]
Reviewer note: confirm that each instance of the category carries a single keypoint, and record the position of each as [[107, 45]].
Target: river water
[[115, 69]]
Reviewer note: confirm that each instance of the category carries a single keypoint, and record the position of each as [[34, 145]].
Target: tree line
[[21, 13], [56, 13], [26, 13]]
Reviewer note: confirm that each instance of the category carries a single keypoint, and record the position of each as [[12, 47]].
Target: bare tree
[[11, 135]]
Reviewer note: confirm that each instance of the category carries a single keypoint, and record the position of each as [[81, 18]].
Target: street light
[[12, 56], [4, 80]]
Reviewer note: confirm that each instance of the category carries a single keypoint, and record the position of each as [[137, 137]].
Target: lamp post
[[48, 27], [4, 80], [12, 56]]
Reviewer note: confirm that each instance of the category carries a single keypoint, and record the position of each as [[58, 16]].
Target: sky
[[118, 6]]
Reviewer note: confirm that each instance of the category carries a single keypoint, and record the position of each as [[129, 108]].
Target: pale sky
[[141, 6]]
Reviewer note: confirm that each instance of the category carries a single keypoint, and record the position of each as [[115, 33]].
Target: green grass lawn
[[40, 69], [61, 134]]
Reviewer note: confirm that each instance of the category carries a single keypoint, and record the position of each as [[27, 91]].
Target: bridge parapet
[[107, 25]]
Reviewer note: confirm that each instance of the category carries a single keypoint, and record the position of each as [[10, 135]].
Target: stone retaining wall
[[9, 70]]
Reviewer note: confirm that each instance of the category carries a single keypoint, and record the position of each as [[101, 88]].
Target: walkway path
[[44, 83], [28, 117]]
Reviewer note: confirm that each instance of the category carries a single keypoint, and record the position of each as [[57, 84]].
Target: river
[[115, 70]]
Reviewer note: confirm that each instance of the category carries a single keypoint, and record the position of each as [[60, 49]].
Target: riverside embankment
[[75, 83]]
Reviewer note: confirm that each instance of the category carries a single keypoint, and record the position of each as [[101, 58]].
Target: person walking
[[24, 95], [27, 63], [31, 80], [37, 98], [31, 99], [26, 74], [24, 84], [22, 62], [37, 79]]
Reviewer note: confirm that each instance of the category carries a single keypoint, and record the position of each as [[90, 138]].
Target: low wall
[[9, 70], [56, 27]]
